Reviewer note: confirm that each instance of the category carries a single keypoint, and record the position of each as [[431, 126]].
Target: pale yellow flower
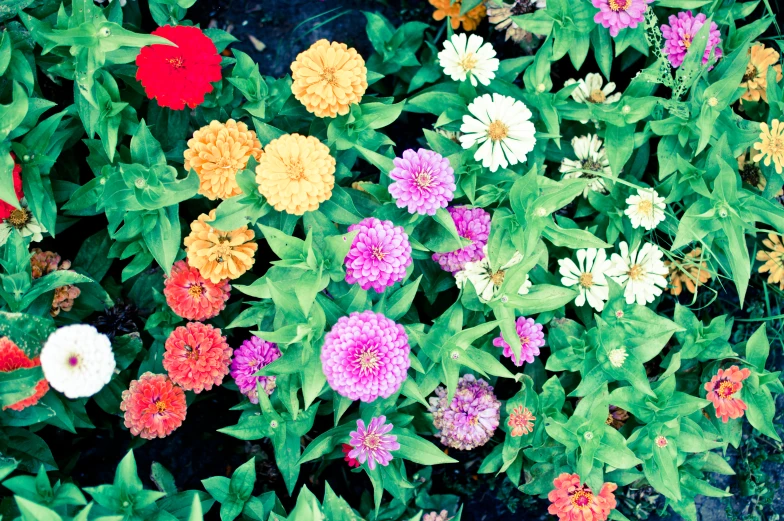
[[756, 78], [771, 145], [774, 260], [690, 272]]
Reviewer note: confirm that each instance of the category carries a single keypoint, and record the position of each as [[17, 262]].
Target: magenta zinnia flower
[[531, 338], [251, 356], [680, 33], [379, 255], [373, 444], [424, 181], [472, 224], [365, 356], [619, 14], [472, 417]]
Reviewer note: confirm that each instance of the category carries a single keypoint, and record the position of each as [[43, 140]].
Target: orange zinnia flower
[[153, 406], [470, 20], [756, 78], [722, 390], [774, 260], [219, 255], [521, 420], [571, 501], [690, 272]]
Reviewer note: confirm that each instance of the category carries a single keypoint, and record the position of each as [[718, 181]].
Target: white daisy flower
[[590, 156], [590, 90], [501, 126], [78, 360], [23, 220], [642, 271], [468, 57], [588, 274], [645, 209], [486, 282]]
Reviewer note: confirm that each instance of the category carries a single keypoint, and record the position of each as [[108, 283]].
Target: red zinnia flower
[[352, 462], [13, 358], [571, 501], [179, 76], [721, 391], [192, 296], [197, 357], [5, 208], [153, 406]]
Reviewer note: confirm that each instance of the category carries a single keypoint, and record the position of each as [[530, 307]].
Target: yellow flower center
[[296, 170], [468, 62], [582, 499], [378, 253], [724, 389], [636, 272], [196, 290], [497, 130], [686, 40], [497, 278], [776, 145], [19, 218], [586, 280], [597, 96], [176, 62], [328, 76], [160, 405], [371, 440], [424, 179], [620, 5], [645, 207]]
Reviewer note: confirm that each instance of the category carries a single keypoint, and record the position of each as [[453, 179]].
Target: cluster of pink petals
[[472, 224], [153, 406], [681, 32], [424, 181], [197, 357], [193, 297], [471, 418], [531, 339], [372, 444], [379, 255], [365, 356], [251, 356], [620, 14]]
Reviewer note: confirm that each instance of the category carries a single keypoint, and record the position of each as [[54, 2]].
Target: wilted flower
[[770, 145], [591, 157], [755, 81], [423, 181], [617, 417], [120, 319], [619, 14], [521, 420], [531, 339], [191, 296], [723, 390], [690, 272], [45, 262], [471, 58], [219, 255], [78, 360], [500, 13], [472, 417], [774, 259], [196, 357], [378, 256], [153, 406], [472, 224], [13, 358], [451, 9], [591, 90], [251, 356], [588, 275], [571, 501], [681, 32], [642, 272], [645, 209], [372, 444], [365, 356]]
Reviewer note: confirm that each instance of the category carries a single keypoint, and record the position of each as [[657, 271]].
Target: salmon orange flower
[[13, 358], [197, 357], [723, 390], [571, 501], [688, 273], [521, 420], [153, 406], [218, 254], [191, 296], [448, 8]]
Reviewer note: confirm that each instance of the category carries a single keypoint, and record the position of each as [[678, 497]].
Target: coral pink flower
[[5, 208], [722, 390], [571, 501], [197, 357], [153, 406], [353, 463], [521, 420], [13, 358], [193, 297], [181, 75]]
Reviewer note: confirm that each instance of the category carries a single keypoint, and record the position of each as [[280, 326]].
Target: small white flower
[[468, 57], [645, 209], [590, 156], [590, 90], [617, 356], [588, 274], [486, 282], [642, 271], [23, 220], [501, 126], [78, 360], [588, 435]]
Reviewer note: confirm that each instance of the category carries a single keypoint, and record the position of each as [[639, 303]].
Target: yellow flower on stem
[[774, 260], [756, 78], [771, 145], [219, 255], [470, 20]]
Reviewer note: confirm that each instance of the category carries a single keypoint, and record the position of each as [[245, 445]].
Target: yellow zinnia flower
[[219, 255], [756, 77], [470, 20], [328, 78], [296, 173], [689, 273], [771, 144], [217, 153], [774, 260]]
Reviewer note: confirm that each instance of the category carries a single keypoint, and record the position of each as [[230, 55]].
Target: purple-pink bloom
[[619, 14], [472, 417], [680, 33], [472, 224], [424, 181], [251, 356], [379, 255], [365, 356], [373, 444], [531, 338]]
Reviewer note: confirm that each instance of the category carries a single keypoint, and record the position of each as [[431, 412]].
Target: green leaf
[[758, 348], [420, 451]]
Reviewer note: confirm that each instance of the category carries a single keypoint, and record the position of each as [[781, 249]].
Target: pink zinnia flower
[[619, 14], [531, 338], [680, 33], [251, 356], [197, 357], [472, 417], [373, 444], [379, 255], [153, 406], [571, 501], [722, 391], [365, 356], [472, 224], [424, 181], [193, 297]]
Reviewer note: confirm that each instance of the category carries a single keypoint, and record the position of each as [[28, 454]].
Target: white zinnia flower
[[78, 360], [588, 273], [590, 90], [486, 282], [502, 127], [641, 270], [590, 156], [617, 357], [23, 220], [645, 209], [468, 57]]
